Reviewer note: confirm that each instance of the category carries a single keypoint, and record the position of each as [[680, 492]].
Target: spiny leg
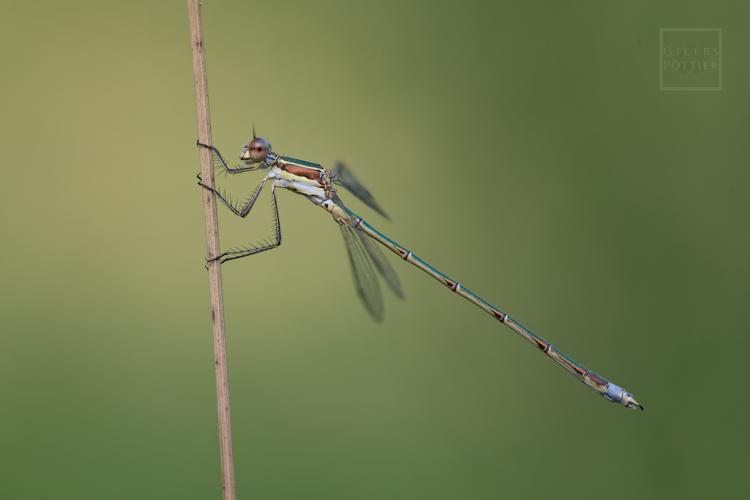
[[263, 246], [244, 209], [220, 163]]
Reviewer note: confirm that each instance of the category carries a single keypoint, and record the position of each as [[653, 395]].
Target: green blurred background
[[523, 147]]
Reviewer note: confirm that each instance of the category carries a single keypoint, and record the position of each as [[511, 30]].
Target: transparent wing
[[381, 264], [365, 280], [343, 176], [376, 256]]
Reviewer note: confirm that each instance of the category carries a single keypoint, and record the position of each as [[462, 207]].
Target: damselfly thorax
[[311, 180]]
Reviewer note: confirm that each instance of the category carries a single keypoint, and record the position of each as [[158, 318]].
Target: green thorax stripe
[[301, 163]]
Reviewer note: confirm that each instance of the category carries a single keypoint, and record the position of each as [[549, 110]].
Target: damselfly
[[319, 186]]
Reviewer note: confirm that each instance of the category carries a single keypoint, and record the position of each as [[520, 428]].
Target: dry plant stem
[[212, 241]]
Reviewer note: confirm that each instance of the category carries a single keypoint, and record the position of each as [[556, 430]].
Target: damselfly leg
[[262, 246], [221, 164], [242, 209]]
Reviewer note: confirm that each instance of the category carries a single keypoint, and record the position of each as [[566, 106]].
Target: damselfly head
[[256, 151]]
